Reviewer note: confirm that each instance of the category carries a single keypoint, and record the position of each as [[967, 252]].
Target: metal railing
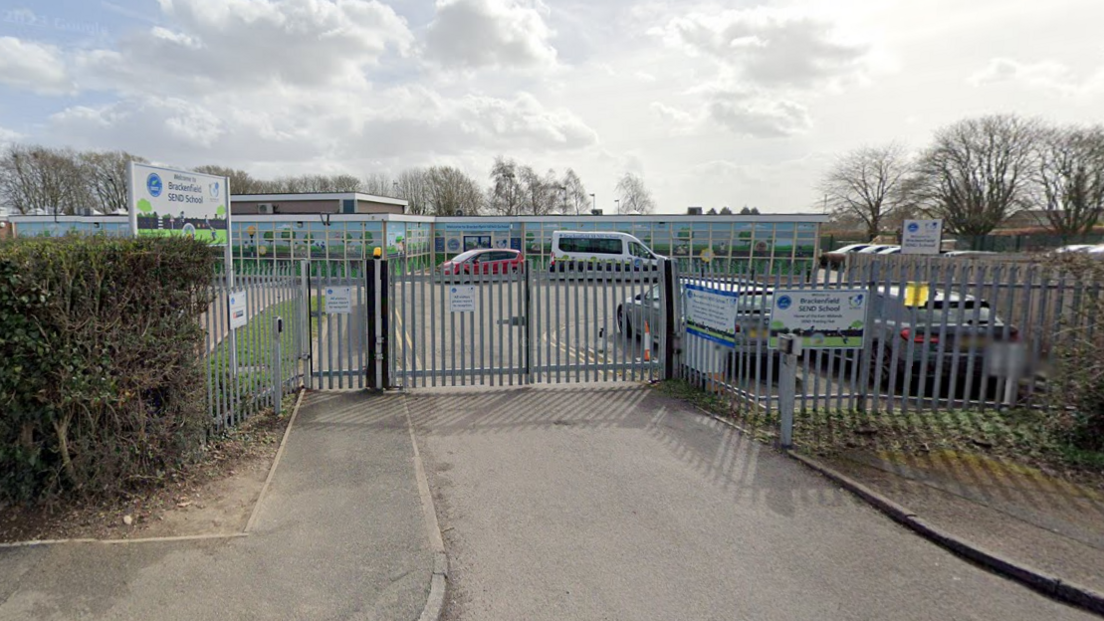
[[942, 334]]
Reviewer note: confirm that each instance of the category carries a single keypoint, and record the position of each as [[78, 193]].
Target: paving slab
[[340, 534]]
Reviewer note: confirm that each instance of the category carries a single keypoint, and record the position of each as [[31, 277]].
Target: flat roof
[[319, 196], [795, 217]]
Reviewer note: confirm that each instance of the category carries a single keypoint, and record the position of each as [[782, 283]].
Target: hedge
[[101, 378]]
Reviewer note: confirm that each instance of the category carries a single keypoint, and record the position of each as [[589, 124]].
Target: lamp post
[[617, 205], [593, 204]]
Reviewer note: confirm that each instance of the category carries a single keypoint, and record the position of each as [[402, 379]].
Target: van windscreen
[[591, 245]]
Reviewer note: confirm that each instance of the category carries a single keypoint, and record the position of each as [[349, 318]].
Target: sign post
[[921, 237], [812, 319]]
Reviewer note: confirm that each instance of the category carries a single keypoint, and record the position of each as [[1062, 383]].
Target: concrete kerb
[[275, 462], [438, 584], [1051, 586], [244, 533], [1040, 581]]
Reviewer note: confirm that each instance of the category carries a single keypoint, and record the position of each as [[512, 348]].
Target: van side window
[[590, 245], [638, 250]]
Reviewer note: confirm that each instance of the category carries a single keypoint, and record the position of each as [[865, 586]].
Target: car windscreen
[[460, 258], [956, 312]]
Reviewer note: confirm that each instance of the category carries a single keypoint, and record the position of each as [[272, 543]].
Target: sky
[[712, 104]]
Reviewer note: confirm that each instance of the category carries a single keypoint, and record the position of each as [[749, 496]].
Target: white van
[[600, 251]]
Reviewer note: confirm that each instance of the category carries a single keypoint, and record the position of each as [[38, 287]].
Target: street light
[[617, 203], [593, 204]]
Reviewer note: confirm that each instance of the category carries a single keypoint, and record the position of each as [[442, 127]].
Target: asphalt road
[[607, 502]]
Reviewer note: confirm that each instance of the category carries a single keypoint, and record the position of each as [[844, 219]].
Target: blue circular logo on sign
[[153, 184], [784, 302], [453, 245], [913, 227], [214, 190]]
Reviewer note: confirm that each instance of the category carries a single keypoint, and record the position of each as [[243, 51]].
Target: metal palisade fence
[[940, 334], [257, 341]]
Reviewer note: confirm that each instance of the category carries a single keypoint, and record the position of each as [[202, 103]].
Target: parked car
[[967, 253], [875, 248], [483, 261], [835, 258], [890, 250], [950, 326], [1074, 248], [753, 310], [1094, 250]]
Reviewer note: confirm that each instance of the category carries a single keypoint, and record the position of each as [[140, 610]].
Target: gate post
[[668, 285], [376, 312]]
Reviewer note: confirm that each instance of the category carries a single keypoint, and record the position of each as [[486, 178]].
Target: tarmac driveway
[[612, 502]]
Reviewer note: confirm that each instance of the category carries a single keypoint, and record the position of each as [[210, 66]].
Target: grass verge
[[1028, 437]]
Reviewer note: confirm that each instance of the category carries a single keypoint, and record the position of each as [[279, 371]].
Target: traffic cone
[[647, 343]]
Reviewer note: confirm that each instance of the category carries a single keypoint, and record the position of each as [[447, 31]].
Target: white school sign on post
[[821, 318], [921, 236], [711, 314], [167, 202]]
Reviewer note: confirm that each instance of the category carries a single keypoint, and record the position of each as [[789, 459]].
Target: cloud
[[475, 34], [217, 45], [34, 67], [407, 122], [644, 76], [759, 116], [767, 47], [1044, 75]]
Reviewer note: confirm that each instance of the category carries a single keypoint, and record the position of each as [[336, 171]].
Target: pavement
[[1047, 531], [340, 534], [613, 502], [586, 501]]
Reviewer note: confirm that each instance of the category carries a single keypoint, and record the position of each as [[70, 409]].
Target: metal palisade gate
[[257, 341], [523, 325], [338, 309]]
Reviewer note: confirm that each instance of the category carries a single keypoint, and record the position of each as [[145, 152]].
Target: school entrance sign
[[167, 202]]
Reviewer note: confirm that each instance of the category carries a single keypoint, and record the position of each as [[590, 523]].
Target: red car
[[484, 262]]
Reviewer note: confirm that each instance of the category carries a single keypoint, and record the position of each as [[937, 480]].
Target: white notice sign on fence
[[921, 236], [462, 298], [339, 300], [238, 315]]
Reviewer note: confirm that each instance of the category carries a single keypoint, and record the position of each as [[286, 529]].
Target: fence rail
[[250, 367], [975, 334]]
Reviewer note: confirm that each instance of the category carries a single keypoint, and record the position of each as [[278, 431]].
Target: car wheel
[[623, 322]]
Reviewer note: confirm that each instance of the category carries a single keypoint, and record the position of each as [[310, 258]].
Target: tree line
[[61, 181], [976, 174]]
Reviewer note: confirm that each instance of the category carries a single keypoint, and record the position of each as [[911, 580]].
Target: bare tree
[[540, 193], [576, 198], [414, 188], [35, 178], [451, 192], [105, 173], [634, 197], [1070, 178], [978, 172], [241, 182], [379, 184], [505, 196], [867, 184]]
